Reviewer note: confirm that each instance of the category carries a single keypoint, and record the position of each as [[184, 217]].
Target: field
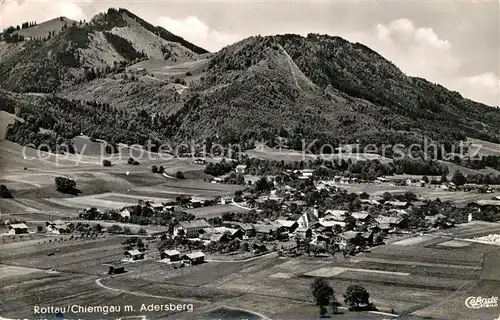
[[425, 277], [484, 148], [30, 175], [429, 192], [266, 153]]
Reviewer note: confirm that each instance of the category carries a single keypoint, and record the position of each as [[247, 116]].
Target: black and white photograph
[[250, 160]]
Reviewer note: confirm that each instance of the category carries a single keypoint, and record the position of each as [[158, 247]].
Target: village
[[295, 214]]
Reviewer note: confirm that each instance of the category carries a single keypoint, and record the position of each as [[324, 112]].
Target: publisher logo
[[480, 302]]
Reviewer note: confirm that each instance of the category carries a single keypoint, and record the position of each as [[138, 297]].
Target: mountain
[[157, 85], [34, 62], [324, 87]]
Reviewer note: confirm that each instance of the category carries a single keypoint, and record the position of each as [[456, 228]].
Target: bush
[[357, 297], [65, 185], [5, 193], [154, 169], [106, 163], [133, 162], [179, 175], [115, 229], [161, 170]]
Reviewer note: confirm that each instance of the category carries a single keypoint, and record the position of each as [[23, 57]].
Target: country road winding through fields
[[142, 294]]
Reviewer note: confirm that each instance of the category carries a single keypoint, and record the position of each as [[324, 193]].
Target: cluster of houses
[[339, 227], [191, 258], [157, 207], [53, 227], [58, 227]]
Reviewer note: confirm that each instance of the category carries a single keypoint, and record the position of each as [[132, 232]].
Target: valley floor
[[430, 276]]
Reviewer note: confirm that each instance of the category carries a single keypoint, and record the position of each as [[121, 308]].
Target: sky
[[453, 43]]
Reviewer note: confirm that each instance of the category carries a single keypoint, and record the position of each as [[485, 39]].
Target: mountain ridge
[[317, 87]]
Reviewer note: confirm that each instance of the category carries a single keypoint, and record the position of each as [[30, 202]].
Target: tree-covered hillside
[[327, 88]]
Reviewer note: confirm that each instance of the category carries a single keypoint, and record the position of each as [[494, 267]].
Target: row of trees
[[220, 168], [355, 297], [66, 185]]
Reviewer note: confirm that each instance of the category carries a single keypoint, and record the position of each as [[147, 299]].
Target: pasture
[[428, 192], [265, 153], [405, 277]]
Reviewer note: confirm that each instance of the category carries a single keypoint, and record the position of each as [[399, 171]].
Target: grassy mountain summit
[[67, 53]]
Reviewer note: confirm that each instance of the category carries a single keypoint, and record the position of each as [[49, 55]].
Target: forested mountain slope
[[299, 88]]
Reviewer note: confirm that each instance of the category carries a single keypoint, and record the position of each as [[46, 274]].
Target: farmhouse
[[214, 237], [247, 229], [303, 233], [307, 220], [217, 180], [225, 199], [439, 221], [330, 223], [194, 258], [336, 213], [241, 168], [306, 173], [261, 229], [199, 161], [345, 180], [348, 237], [370, 201], [368, 237], [232, 232], [190, 229], [195, 203], [415, 183], [57, 226], [398, 204], [393, 222], [287, 225], [486, 203], [125, 213], [18, 228], [298, 203], [156, 206], [362, 216], [116, 269], [134, 255], [172, 255]]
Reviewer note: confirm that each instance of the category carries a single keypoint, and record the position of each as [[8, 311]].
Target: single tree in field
[[179, 175], [154, 169], [322, 293], [4, 192], [387, 196], [425, 179], [458, 178], [332, 250], [355, 296], [66, 185]]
